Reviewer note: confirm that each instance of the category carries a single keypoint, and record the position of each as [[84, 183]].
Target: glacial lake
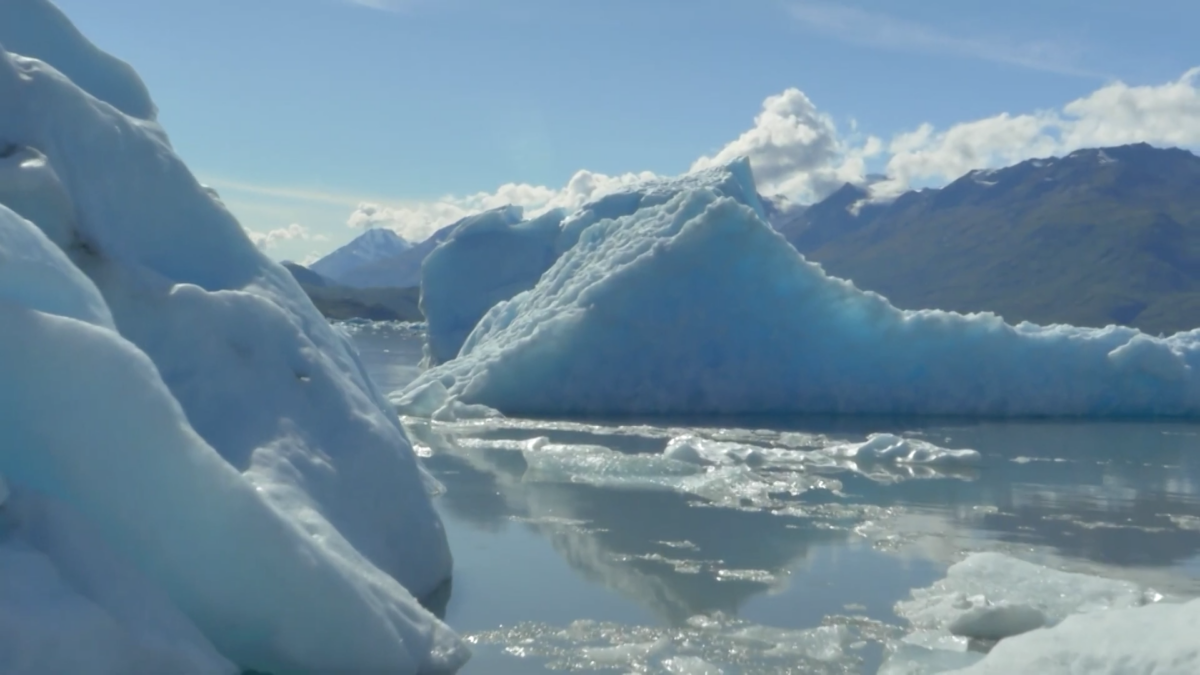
[[578, 548]]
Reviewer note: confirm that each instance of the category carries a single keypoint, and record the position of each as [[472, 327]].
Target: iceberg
[[1159, 639], [493, 256], [1039, 619], [695, 305], [70, 604], [991, 596], [174, 389]]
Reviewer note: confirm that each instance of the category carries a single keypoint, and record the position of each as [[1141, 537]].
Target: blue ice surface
[[38, 29], [695, 305], [495, 255], [491, 257], [163, 379]]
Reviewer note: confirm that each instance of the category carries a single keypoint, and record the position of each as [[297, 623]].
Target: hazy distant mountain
[[372, 245], [404, 269], [401, 269], [343, 302], [1097, 237]]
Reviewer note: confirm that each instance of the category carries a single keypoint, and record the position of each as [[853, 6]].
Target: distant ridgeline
[[1097, 237], [339, 302], [1094, 238]]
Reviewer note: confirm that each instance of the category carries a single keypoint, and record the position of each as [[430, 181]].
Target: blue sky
[[299, 110]]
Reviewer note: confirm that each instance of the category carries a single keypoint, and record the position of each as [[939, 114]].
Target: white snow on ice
[[370, 246], [695, 305], [177, 393], [1158, 639], [493, 256], [994, 598]]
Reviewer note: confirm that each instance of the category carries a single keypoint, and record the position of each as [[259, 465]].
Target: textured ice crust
[[695, 305], [1158, 639], [176, 391], [1037, 616], [495, 255]]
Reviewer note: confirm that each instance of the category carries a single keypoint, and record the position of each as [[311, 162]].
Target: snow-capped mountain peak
[[374, 244]]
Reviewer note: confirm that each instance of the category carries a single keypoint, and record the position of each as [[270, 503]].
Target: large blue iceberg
[[694, 304], [199, 474]]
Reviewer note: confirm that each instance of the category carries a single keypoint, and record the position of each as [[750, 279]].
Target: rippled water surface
[[764, 546]]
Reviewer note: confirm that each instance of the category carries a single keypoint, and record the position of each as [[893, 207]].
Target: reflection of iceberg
[[695, 305], [654, 546]]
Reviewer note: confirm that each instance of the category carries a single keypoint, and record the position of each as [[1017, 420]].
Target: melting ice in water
[[706, 645], [796, 479], [724, 467]]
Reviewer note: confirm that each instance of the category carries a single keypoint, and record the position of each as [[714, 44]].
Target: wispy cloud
[[273, 238], [883, 31], [289, 193], [384, 5]]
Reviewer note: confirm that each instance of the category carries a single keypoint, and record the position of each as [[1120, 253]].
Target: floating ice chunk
[[684, 449], [690, 665], [1159, 639], [704, 645], [987, 621], [904, 658], [623, 654], [892, 448], [422, 401], [990, 596]]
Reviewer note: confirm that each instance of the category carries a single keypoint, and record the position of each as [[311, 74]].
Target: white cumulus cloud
[[271, 239], [1116, 114], [418, 220], [798, 151]]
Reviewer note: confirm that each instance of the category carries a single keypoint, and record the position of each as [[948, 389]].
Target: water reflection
[[805, 537], [661, 549]]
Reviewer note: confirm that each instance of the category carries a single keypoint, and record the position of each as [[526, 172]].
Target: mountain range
[[1097, 237], [339, 302]]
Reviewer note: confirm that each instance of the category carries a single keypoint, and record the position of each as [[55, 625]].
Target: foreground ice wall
[[222, 436], [495, 255], [89, 424], [696, 305]]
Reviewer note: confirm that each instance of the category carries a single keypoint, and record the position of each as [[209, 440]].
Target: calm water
[[587, 552]]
